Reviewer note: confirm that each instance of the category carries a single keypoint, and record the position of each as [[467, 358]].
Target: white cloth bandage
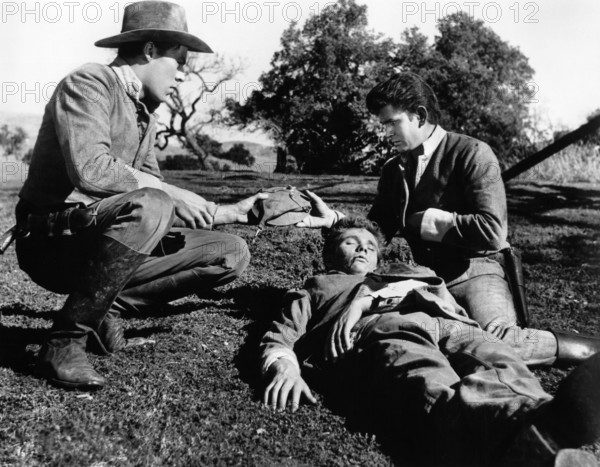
[[288, 354], [435, 224], [337, 217]]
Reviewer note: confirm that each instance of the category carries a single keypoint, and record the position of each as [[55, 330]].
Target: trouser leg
[[138, 220], [205, 259], [454, 389], [128, 227], [484, 293]]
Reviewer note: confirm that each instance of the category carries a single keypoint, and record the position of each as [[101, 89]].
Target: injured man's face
[[357, 252]]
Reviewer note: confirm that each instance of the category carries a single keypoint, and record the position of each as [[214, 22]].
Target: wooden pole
[[523, 165]]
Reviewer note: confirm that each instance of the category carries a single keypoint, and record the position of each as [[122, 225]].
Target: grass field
[[577, 163], [192, 396]]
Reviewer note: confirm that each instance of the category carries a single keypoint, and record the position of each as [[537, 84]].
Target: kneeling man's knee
[[144, 219], [237, 255], [156, 209]]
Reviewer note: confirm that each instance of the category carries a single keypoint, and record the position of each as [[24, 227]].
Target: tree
[[483, 84], [12, 140], [592, 139], [312, 99], [186, 118], [239, 155]]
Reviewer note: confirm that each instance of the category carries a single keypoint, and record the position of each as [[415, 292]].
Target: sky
[[43, 41]]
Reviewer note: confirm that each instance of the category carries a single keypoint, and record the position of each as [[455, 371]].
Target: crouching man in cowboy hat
[[103, 226]]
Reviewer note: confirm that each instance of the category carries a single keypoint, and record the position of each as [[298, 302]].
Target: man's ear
[[149, 50], [422, 115]]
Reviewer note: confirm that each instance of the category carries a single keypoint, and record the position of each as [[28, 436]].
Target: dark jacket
[[307, 313], [463, 177]]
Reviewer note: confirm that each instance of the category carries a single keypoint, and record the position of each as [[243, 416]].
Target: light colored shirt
[[428, 148], [127, 77], [435, 222]]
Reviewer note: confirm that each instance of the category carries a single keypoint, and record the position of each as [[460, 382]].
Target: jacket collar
[[127, 78]]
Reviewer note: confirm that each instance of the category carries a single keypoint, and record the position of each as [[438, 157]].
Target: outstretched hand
[[241, 208], [285, 385], [238, 212], [321, 215]]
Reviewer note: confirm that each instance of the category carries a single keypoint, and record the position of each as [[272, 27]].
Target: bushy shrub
[[179, 162]]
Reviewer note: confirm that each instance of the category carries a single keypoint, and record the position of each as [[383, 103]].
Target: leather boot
[[64, 363], [574, 348], [569, 421], [111, 334], [63, 360]]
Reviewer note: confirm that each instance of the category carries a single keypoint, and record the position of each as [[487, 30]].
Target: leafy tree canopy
[[484, 85], [314, 93]]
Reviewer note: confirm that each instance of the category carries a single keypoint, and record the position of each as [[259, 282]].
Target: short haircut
[[332, 236], [134, 49], [405, 92]]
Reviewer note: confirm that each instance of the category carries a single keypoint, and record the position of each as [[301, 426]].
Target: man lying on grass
[[398, 338]]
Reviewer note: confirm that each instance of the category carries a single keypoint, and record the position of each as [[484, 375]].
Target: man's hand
[[321, 215], [193, 209], [339, 341], [285, 382], [238, 212]]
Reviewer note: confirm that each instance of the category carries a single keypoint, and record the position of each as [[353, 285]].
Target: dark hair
[[133, 49], [406, 92], [332, 236]]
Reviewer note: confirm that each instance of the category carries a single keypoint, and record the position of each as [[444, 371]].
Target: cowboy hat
[[155, 21]]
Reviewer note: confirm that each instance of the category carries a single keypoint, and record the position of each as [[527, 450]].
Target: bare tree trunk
[[198, 151], [281, 159]]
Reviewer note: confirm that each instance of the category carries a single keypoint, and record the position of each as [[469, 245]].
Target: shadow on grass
[[14, 351], [18, 309], [262, 303], [536, 200], [575, 251]]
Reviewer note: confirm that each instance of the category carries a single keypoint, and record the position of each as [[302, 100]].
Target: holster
[[513, 268], [61, 223]]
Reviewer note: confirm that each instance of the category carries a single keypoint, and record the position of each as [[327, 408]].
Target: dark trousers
[[180, 261], [456, 394]]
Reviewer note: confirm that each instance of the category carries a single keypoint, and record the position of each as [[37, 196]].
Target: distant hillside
[[264, 155]]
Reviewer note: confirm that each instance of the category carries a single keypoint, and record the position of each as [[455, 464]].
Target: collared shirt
[[426, 150], [127, 77], [133, 87]]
